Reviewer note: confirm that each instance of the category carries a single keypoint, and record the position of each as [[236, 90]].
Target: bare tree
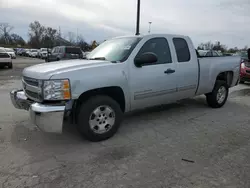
[[71, 37], [36, 34], [5, 30]]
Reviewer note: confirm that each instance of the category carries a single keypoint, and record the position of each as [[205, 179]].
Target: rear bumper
[[48, 118]]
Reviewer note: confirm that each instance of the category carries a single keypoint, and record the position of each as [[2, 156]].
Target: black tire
[[10, 66], [242, 82], [212, 97], [85, 112]]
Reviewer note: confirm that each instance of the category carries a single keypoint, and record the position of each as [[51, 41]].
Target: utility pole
[[138, 18], [149, 27]]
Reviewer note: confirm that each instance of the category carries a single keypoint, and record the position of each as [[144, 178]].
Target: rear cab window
[[182, 50]]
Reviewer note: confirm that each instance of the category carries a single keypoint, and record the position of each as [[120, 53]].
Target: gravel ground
[[149, 151]]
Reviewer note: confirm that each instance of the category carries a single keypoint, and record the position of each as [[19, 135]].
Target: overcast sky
[[227, 21]]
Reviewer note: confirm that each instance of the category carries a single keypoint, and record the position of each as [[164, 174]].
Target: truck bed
[[211, 67]]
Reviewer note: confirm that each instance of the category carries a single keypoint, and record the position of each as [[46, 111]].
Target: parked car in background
[[33, 53], [5, 59], [243, 55], [245, 67], [11, 52], [43, 52], [64, 53], [26, 52], [122, 75], [209, 53], [21, 51], [227, 54]]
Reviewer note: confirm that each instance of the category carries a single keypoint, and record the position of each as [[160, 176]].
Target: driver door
[[154, 83]]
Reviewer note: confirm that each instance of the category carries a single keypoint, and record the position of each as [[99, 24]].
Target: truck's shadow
[[71, 135], [22, 134]]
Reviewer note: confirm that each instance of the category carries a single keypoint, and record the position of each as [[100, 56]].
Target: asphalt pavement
[[18, 65], [181, 145]]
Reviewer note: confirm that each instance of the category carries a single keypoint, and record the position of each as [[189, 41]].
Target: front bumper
[[48, 118]]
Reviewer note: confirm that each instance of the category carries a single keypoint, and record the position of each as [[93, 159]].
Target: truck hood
[[46, 70]]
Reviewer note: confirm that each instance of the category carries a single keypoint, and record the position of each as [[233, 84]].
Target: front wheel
[[99, 118], [218, 97]]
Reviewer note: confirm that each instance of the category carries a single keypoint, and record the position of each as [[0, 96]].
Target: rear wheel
[[99, 118], [218, 97]]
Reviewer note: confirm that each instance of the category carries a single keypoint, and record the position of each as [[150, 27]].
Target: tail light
[[242, 65]]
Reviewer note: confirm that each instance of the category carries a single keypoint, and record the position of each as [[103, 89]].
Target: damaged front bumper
[[48, 118]]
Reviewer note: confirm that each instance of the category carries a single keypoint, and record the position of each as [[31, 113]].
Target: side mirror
[[145, 58]]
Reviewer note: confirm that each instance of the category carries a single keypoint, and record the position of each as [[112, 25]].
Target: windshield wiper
[[97, 58]]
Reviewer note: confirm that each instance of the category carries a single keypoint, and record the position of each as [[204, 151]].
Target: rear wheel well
[[226, 76], [114, 92]]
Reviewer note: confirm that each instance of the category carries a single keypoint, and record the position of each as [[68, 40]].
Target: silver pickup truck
[[121, 75]]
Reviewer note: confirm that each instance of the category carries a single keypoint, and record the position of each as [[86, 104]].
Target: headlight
[[56, 90]]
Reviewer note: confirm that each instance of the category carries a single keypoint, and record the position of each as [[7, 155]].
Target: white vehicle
[[122, 75], [209, 53], [11, 52], [27, 52], [5, 59], [43, 52], [33, 53]]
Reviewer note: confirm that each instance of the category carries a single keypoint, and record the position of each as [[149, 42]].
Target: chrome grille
[[31, 88], [30, 81]]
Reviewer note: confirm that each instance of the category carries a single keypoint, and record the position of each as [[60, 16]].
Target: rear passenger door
[[187, 74]]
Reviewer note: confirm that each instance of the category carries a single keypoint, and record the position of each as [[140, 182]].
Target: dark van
[[64, 53]]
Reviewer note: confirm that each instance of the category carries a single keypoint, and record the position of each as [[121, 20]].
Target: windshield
[[115, 49], [33, 50]]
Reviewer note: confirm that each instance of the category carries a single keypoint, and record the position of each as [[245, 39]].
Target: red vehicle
[[244, 68]]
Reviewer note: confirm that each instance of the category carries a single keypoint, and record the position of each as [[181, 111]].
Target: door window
[[54, 50], [182, 50], [160, 47]]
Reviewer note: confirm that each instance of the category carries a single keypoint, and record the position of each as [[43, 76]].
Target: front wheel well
[[115, 92]]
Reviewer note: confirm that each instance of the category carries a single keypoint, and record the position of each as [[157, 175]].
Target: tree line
[[219, 47], [40, 36]]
